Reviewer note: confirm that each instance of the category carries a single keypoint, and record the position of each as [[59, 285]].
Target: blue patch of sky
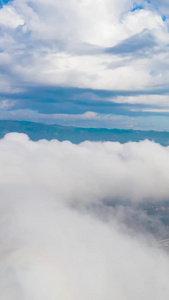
[[137, 7], [3, 2]]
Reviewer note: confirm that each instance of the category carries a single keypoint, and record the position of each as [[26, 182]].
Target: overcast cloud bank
[[59, 239]]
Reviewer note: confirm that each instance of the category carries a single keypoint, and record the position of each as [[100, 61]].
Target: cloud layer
[[59, 236], [119, 46], [84, 43], [89, 171]]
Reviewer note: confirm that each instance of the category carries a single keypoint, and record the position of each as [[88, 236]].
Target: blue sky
[[85, 63]]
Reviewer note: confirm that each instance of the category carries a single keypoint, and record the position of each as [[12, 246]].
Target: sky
[[63, 234], [85, 62], [73, 223]]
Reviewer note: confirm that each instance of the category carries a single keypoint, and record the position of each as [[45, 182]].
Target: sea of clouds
[[70, 227]]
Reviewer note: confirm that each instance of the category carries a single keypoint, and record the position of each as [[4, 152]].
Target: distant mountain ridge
[[37, 131]]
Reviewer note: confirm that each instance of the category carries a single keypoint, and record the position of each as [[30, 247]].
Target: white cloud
[[108, 167], [153, 110], [6, 104], [156, 100], [104, 23], [143, 19], [40, 50], [10, 18], [50, 249]]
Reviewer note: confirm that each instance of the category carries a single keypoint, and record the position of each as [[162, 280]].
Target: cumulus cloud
[[120, 45], [48, 38], [9, 18], [61, 238]]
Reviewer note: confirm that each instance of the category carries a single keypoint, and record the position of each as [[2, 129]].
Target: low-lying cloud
[[89, 172], [61, 235]]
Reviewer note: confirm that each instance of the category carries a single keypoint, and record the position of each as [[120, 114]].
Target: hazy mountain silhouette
[[37, 131]]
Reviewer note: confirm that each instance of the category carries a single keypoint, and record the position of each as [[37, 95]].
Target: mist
[[72, 224]]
